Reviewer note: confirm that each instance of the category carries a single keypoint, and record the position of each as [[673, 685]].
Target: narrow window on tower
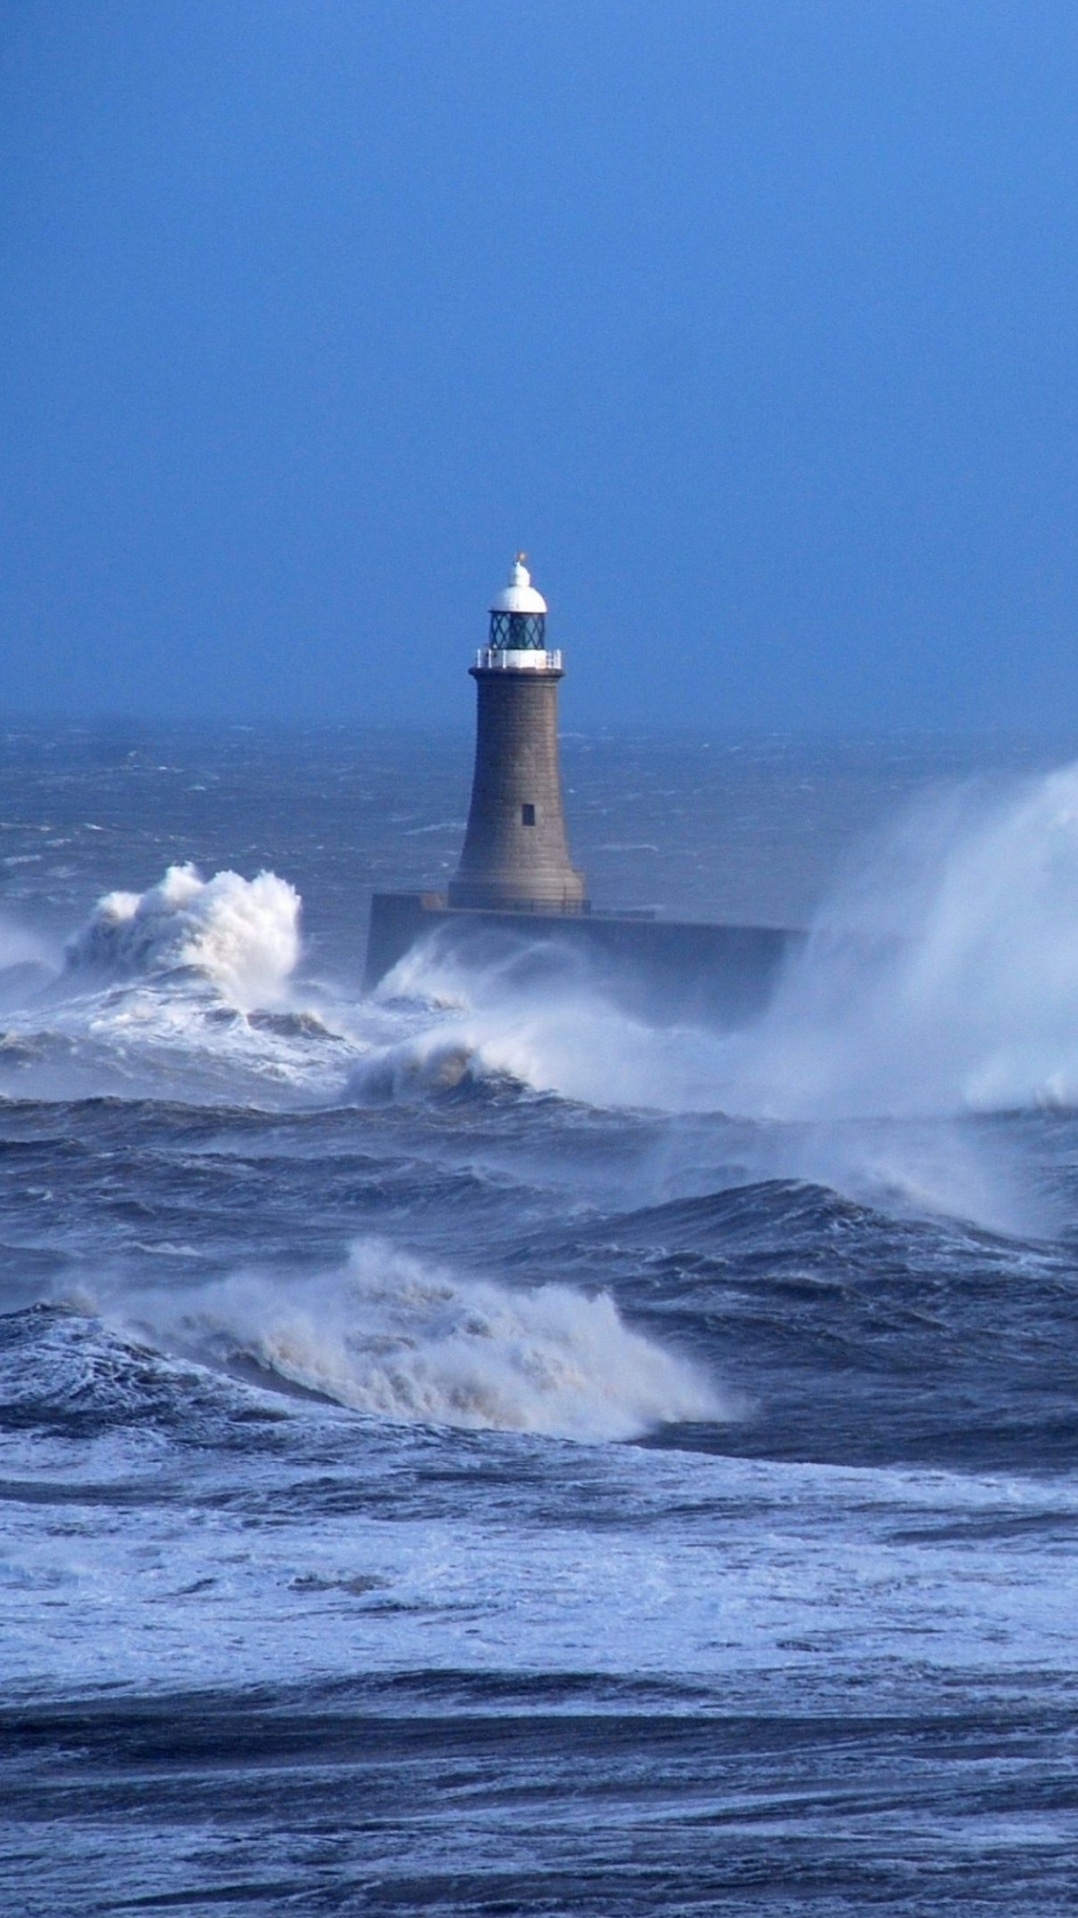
[[527, 815]]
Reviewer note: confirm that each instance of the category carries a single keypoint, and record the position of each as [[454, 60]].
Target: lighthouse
[[515, 864], [516, 855]]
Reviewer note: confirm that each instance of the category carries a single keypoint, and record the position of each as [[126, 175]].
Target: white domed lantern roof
[[518, 613], [520, 595]]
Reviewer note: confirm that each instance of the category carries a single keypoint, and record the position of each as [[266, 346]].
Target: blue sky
[[755, 321]]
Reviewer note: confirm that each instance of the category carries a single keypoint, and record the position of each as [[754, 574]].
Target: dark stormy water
[[487, 1449]]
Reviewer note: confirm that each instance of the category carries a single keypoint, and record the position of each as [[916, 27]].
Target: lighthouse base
[[724, 974]]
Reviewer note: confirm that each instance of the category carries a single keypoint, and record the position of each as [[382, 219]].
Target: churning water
[[480, 1449]]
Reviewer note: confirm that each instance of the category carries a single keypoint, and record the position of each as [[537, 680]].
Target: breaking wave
[[571, 1037], [240, 934], [186, 990], [942, 977], [393, 1336]]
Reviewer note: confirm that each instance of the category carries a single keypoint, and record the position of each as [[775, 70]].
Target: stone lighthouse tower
[[516, 857]]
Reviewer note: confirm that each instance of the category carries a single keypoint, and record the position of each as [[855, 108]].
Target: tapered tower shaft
[[516, 855]]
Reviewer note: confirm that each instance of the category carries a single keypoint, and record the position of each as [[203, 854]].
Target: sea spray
[[28, 960], [22, 946], [242, 935], [570, 1037], [186, 990], [942, 977]]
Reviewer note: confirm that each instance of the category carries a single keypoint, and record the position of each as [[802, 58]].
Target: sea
[[482, 1446]]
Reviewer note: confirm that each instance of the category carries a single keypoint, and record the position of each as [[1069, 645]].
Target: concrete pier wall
[[724, 974]]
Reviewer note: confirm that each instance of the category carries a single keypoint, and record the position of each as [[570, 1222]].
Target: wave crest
[[393, 1336], [241, 934]]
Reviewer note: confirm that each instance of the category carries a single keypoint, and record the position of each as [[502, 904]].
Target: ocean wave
[[396, 1337], [242, 935], [940, 978], [426, 1065], [187, 990], [64, 1370]]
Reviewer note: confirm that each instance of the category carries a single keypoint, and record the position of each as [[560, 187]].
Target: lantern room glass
[[518, 632]]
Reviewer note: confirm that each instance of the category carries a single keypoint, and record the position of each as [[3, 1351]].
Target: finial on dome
[[519, 598]]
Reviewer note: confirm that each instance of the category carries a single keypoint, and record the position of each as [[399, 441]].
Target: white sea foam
[[569, 1036], [942, 977], [186, 990], [779, 1581], [395, 1336], [240, 934]]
